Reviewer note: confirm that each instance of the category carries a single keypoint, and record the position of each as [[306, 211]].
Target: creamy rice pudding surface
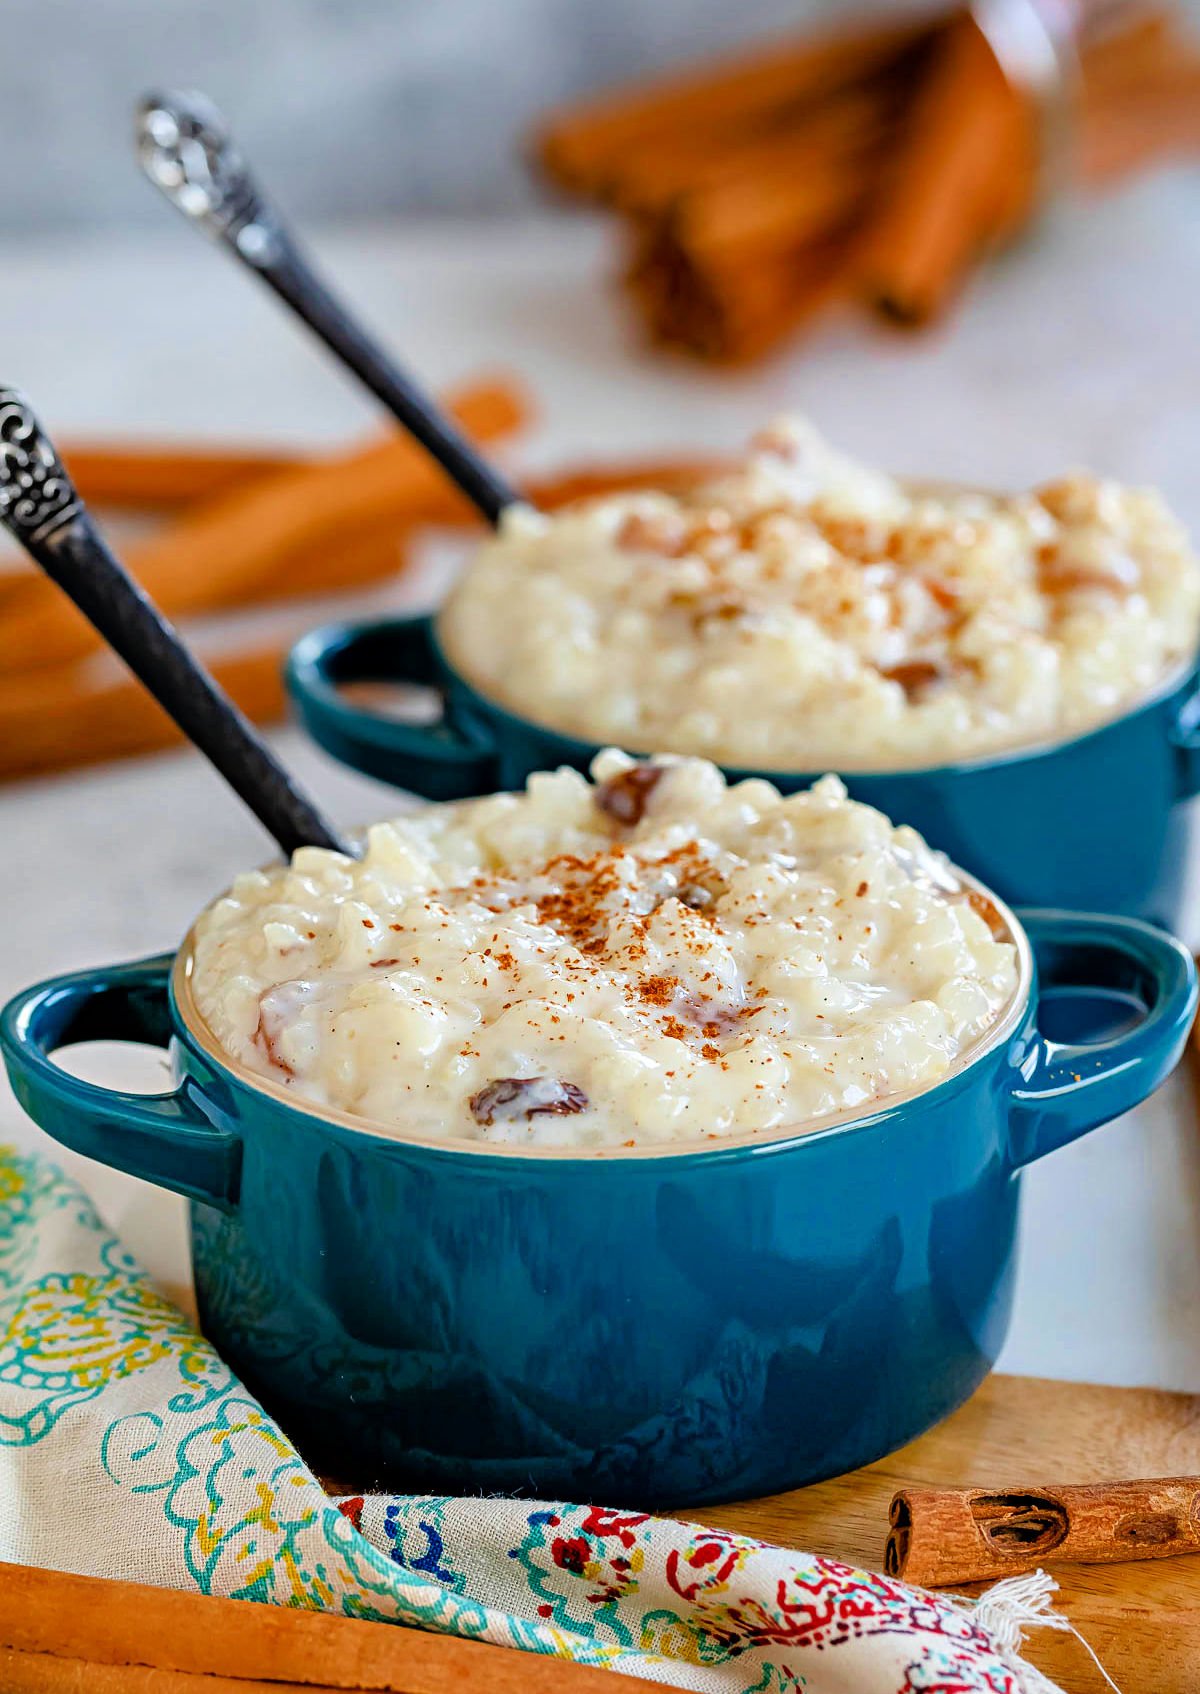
[[806, 613], [651, 959]]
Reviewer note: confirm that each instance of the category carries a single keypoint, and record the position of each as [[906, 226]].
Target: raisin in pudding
[[808, 613], [653, 957]]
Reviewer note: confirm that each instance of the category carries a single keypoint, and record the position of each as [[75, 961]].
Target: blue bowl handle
[[440, 760], [165, 1138], [1185, 738], [1088, 963]]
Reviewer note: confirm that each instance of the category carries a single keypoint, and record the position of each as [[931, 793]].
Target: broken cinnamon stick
[[941, 1537]]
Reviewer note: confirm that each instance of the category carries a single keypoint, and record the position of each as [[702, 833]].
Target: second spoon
[[186, 150]]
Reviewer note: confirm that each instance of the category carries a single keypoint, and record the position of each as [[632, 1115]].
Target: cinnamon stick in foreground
[[76, 1633], [943, 1536]]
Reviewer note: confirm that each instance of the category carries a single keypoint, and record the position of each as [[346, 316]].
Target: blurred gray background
[[348, 107]]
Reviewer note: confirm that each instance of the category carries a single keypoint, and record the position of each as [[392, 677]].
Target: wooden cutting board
[[62, 1634], [1142, 1619]]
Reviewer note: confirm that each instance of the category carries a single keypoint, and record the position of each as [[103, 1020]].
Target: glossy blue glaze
[[663, 1329], [1093, 823]]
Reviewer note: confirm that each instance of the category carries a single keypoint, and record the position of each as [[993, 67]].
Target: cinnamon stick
[[150, 477], [964, 166], [362, 557], [584, 146], [736, 242], [814, 135], [76, 1633], [367, 556], [1138, 43], [63, 717], [1124, 128], [229, 550], [941, 1537], [726, 311], [781, 207], [589, 482]]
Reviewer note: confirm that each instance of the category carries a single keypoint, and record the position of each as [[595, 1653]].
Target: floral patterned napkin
[[128, 1449]]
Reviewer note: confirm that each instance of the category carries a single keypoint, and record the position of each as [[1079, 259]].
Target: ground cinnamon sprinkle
[[578, 908], [707, 536], [615, 883], [595, 890]]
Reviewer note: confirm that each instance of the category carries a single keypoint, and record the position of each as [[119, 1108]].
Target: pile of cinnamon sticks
[[875, 164]]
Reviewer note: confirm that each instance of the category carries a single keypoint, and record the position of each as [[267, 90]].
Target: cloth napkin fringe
[[1009, 1608]]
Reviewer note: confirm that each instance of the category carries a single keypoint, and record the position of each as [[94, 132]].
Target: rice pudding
[[651, 957], [806, 612]]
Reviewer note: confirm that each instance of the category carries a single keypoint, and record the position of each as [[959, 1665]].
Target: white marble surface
[[1082, 348]]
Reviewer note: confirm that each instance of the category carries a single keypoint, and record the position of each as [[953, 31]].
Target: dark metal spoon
[[41, 509], [185, 148]]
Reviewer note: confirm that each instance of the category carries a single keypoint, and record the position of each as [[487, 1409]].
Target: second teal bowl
[[1095, 822]]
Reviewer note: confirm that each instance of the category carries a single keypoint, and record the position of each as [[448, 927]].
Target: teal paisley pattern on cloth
[[128, 1449]]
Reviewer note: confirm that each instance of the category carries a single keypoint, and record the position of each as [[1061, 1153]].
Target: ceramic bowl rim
[[837, 1123]]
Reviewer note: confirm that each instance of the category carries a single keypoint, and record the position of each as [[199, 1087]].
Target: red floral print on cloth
[[739, 1601]]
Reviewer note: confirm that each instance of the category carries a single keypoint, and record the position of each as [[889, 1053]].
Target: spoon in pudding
[[41, 509], [185, 148]]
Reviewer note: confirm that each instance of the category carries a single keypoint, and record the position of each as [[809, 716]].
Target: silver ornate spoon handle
[[185, 148], [40, 508]]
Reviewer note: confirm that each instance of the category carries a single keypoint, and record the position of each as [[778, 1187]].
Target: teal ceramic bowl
[[1096, 822], [642, 1327]]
